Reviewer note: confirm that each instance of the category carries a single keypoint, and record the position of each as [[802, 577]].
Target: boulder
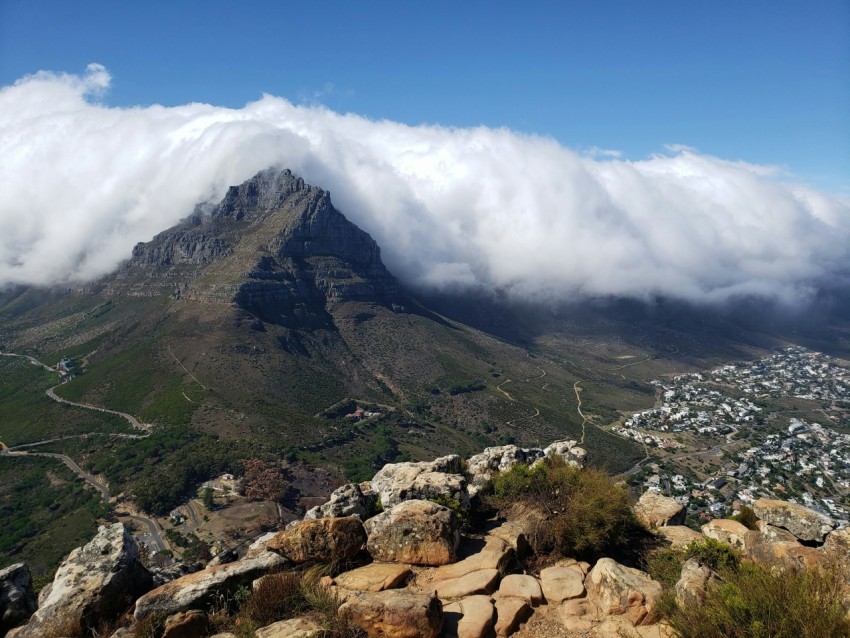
[[292, 628], [374, 577], [324, 540], [496, 554], [472, 617], [679, 535], [837, 543], [186, 624], [259, 545], [693, 582], [521, 586], [17, 598], [95, 583], [615, 589], [561, 583], [395, 614], [398, 482], [727, 531], [351, 499], [655, 510], [785, 554], [199, 589], [483, 581], [414, 532], [771, 534], [806, 524], [567, 450], [510, 612], [481, 467]]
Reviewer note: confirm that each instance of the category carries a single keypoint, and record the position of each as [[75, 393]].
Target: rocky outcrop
[[397, 482], [679, 535], [414, 532], [374, 577], [655, 510], [804, 523], [693, 583], [395, 614], [727, 531], [349, 500], [186, 624], [324, 540], [95, 583], [618, 590], [510, 612], [481, 467], [197, 590], [521, 586], [17, 599]]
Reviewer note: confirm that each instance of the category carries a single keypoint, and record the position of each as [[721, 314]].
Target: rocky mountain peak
[[274, 245]]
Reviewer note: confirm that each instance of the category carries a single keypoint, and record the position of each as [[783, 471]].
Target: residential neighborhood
[[729, 436]]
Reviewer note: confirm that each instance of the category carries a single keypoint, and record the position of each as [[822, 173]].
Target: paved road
[[76, 469], [88, 478], [152, 529]]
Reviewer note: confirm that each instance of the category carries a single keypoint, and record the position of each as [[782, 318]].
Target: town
[[724, 438]]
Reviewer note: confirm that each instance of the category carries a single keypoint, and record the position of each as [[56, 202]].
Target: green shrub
[[746, 517], [461, 513], [585, 515], [755, 601], [665, 565]]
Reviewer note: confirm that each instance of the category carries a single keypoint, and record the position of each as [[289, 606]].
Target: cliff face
[[274, 246]]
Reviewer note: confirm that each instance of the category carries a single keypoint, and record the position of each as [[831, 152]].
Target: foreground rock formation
[[410, 574]]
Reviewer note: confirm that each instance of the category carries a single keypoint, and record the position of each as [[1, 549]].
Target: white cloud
[[81, 183]]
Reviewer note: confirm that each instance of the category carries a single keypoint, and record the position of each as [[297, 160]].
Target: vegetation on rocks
[[586, 515], [665, 565]]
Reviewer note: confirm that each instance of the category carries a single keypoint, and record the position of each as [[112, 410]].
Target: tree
[[207, 498]]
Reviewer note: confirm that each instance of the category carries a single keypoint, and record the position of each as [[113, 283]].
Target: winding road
[[103, 488]]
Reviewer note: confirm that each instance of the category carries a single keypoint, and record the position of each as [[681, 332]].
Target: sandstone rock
[[804, 523], [788, 554], [496, 554], [510, 612], [679, 535], [374, 577], [501, 458], [397, 482], [567, 450], [95, 583], [838, 544], [727, 531], [198, 589], [616, 589], [656, 510], [17, 598], [325, 540], [349, 500], [472, 617], [513, 533], [483, 581], [771, 534], [414, 532], [561, 583], [259, 544], [292, 628], [186, 624], [521, 586], [395, 614], [692, 584], [162, 575]]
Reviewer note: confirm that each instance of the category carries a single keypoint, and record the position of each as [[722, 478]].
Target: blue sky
[[764, 82]]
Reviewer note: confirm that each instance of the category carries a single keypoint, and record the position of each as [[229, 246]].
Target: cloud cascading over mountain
[[81, 183]]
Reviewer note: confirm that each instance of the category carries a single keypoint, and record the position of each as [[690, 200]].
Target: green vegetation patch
[[45, 512]]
